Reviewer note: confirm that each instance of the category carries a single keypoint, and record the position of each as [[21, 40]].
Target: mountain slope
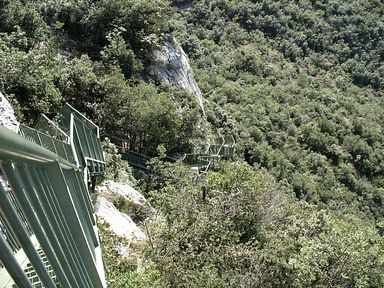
[[301, 84]]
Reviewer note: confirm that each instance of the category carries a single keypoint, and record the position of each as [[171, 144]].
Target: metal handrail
[[213, 153], [40, 126], [124, 148], [63, 149], [14, 147], [202, 162], [82, 117], [47, 185]]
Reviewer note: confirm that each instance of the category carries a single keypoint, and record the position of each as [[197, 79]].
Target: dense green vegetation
[[122, 271], [299, 84], [240, 228], [93, 55]]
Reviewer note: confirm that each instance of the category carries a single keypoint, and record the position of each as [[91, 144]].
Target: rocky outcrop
[[123, 208], [120, 223], [8, 119], [170, 63], [128, 200], [7, 114]]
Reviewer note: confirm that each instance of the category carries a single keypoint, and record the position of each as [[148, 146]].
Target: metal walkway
[[222, 149], [48, 235]]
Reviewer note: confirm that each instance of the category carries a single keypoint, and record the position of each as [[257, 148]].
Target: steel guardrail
[[44, 191]]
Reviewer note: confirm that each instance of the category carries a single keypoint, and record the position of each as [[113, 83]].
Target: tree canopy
[[299, 84]]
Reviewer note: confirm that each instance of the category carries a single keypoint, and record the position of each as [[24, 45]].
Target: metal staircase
[[222, 149], [48, 234]]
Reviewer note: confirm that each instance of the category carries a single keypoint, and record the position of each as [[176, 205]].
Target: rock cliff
[[7, 114], [171, 64], [8, 119]]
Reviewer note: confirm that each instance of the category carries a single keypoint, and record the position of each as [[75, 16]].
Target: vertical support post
[[22, 235], [71, 139], [10, 263]]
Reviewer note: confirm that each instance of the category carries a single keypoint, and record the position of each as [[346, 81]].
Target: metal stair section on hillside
[[222, 149], [137, 158], [48, 234], [85, 137]]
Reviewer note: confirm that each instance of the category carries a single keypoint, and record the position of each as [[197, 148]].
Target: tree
[[238, 227]]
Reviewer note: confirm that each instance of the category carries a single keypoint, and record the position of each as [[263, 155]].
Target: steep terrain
[[7, 115], [170, 63], [299, 84]]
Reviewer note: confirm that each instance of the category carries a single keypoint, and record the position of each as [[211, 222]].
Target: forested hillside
[[93, 54], [299, 84]]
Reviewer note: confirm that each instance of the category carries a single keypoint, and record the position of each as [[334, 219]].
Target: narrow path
[[200, 163]]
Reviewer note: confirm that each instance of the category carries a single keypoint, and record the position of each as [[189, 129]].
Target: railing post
[[71, 139], [23, 237], [13, 267]]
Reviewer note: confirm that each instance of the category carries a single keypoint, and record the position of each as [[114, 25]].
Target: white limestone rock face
[[130, 200], [119, 223], [123, 208], [7, 114], [170, 63], [116, 189], [8, 119]]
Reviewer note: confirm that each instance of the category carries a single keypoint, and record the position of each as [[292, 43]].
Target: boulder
[[126, 199], [119, 223]]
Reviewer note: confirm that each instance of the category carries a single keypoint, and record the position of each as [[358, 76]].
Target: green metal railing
[[47, 126], [88, 145], [223, 148], [63, 149], [138, 159], [65, 119], [47, 225], [86, 139], [196, 162]]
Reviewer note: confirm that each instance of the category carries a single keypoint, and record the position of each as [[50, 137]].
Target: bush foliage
[[299, 84]]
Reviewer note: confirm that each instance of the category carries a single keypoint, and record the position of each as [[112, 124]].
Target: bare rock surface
[[111, 189], [7, 114], [119, 223], [123, 208], [8, 119], [129, 199], [171, 64]]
